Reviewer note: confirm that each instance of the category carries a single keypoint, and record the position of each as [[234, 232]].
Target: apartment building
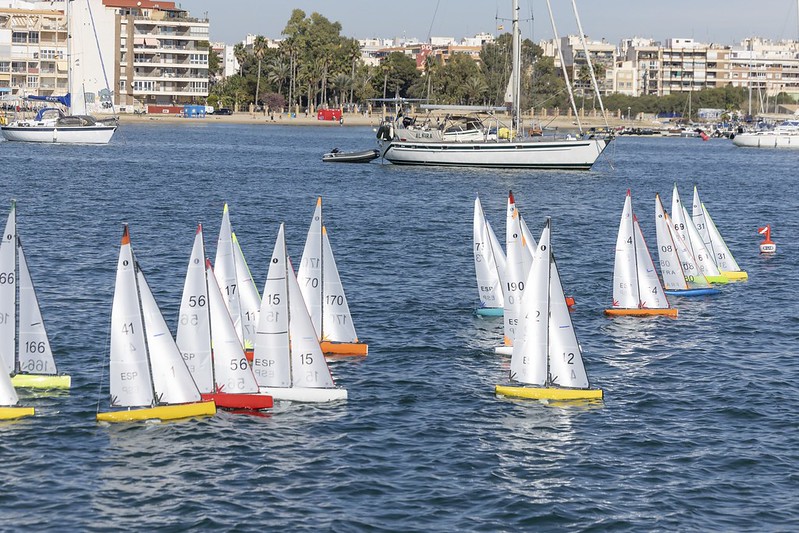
[[33, 49], [766, 67], [161, 54], [603, 59]]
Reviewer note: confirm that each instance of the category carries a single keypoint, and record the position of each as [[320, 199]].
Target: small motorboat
[[337, 156]]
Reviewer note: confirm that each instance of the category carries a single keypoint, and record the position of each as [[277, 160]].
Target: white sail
[[566, 368], [337, 320], [310, 273], [8, 395], [172, 380], [249, 298], [703, 256], [712, 238], [271, 361], [670, 265], [516, 269], [529, 240], [485, 265], [232, 372], [693, 276], [308, 366], [225, 271], [194, 327], [131, 384], [35, 355], [625, 282], [650, 291], [499, 259], [686, 230], [528, 362], [8, 292]]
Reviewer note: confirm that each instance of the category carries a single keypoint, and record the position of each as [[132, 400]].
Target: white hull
[[64, 135], [767, 140], [565, 154], [304, 394]]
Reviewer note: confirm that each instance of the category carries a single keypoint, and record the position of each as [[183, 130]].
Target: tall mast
[[69, 57], [516, 75]]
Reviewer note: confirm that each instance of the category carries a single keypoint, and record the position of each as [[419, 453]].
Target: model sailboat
[[324, 294], [681, 277], [684, 228], [517, 266], [238, 288], [547, 360], [148, 377], [288, 362], [715, 242], [24, 346], [636, 287], [487, 265], [209, 341]]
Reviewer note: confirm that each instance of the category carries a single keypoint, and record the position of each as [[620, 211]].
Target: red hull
[[253, 402]]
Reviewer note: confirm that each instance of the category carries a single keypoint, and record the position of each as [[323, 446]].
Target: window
[[122, 85], [33, 37], [198, 59], [143, 86], [5, 66], [32, 81], [19, 37]]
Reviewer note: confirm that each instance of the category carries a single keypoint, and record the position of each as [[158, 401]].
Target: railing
[[175, 19]]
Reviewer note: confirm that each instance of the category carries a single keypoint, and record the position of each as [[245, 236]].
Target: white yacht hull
[[574, 154], [767, 140], [63, 135], [303, 394]]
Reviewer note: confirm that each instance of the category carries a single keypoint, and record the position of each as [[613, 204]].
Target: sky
[[707, 21]]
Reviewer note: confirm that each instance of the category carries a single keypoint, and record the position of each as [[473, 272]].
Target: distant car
[[223, 111]]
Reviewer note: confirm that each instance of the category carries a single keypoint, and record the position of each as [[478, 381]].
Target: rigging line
[[430, 31]]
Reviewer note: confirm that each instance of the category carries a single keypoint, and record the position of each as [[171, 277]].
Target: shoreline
[[563, 123]]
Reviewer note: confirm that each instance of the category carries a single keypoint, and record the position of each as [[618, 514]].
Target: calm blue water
[[697, 432]]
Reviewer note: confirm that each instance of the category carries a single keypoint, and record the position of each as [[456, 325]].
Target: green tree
[[397, 74]]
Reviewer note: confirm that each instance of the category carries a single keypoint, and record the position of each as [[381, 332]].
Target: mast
[[516, 75], [69, 57]]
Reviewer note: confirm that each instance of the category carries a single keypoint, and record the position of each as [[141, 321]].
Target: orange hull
[[670, 312], [344, 348], [249, 355]]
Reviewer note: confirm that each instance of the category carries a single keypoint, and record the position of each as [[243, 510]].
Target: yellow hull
[[344, 348], [718, 279], [161, 412], [670, 312], [12, 413], [544, 393], [41, 381], [737, 275]]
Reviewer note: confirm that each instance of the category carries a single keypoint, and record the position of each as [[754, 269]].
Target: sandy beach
[[565, 123]]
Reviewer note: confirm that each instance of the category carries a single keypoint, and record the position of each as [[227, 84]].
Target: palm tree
[[341, 82], [278, 72], [475, 89], [240, 54], [258, 50]]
